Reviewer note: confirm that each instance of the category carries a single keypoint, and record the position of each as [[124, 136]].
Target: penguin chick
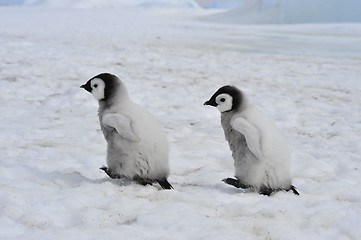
[[137, 147], [261, 157]]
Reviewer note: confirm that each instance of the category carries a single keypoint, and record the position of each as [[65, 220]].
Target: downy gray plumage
[[137, 147], [261, 156]]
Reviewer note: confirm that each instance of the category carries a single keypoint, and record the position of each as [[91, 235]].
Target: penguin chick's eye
[[95, 85], [224, 102]]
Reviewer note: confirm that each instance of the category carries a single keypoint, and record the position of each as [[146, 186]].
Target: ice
[[223, 4], [305, 77], [101, 4], [290, 11]]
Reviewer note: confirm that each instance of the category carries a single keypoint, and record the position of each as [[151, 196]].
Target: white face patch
[[97, 86], [224, 101]]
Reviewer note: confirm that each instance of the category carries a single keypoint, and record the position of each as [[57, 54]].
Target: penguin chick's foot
[[109, 172], [268, 191], [293, 189], [144, 181], [165, 184], [236, 183]]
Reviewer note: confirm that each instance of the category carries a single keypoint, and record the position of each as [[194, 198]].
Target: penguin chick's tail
[[293, 188], [164, 184]]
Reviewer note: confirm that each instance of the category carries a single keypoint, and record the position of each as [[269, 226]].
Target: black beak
[[211, 102], [86, 87]]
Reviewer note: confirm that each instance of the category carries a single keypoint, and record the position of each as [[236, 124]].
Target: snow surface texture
[[305, 77]]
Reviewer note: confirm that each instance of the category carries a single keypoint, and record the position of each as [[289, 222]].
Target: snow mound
[[290, 11]]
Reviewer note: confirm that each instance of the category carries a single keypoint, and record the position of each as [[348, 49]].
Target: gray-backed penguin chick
[[137, 147], [261, 157]]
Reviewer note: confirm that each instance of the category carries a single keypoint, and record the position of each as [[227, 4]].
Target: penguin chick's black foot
[[269, 191], [235, 182], [109, 172], [143, 181], [165, 184], [294, 190]]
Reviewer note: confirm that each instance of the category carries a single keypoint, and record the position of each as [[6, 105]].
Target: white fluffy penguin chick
[[261, 156], [137, 147]]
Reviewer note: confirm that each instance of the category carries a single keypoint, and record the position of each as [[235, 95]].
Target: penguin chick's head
[[102, 86], [226, 99]]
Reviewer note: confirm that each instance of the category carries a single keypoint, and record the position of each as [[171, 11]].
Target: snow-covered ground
[[305, 77]]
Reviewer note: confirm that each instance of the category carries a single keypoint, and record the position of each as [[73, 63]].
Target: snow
[[304, 77]]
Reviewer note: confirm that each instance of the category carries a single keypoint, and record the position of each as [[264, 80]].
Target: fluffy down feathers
[[137, 147], [261, 156]]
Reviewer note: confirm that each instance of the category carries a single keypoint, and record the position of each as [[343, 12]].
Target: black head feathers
[[234, 92]]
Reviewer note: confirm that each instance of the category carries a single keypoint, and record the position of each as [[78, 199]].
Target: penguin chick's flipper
[[122, 124], [109, 172], [165, 184], [235, 182], [294, 190]]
